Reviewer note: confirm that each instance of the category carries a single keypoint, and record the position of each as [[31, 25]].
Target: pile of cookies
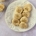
[[2, 6], [21, 16]]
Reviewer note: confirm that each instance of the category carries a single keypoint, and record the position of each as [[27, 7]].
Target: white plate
[[9, 16]]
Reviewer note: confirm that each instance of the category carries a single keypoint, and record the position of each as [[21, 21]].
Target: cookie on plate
[[23, 25]]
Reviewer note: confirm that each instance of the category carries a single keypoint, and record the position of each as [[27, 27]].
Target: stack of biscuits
[[21, 15]]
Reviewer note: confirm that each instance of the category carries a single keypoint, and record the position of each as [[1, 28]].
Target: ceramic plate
[[9, 16]]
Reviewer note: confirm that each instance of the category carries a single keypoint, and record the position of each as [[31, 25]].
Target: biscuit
[[2, 6], [28, 7], [24, 19], [23, 25], [15, 22], [19, 9]]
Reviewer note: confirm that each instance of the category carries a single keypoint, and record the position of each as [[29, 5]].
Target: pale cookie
[[19, 9], [2, 6], [23, 25], [27, 14], [15, 22], [17, 16], [24, 19], [28, 7]]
